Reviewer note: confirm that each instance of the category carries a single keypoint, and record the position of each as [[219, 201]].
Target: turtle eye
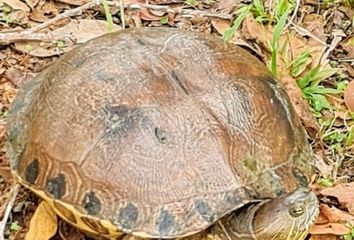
[[296, 210]]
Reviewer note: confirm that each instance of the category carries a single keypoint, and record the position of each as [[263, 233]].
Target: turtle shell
[[156, 132]]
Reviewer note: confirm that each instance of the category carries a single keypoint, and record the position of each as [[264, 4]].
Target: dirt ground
[[313, 58]]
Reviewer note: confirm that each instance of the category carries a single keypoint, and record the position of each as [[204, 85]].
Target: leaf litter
[[314, 63]]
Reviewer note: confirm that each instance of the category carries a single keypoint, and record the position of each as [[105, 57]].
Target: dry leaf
[[77, 31], [349, 96], [17, 5], [146, 15], [329, 228], [335, 215], [82, 30], [345, 194], [226, 6], [43, 11], [324, 169], [301, 107], [323, 237], [43, 224], [220, 25], [314, 23]]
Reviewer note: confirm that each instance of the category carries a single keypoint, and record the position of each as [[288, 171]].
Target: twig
[[30, 34], [291, 20], [305, 32], [337, 38], [184, 12], [14, 192], [69, 13]]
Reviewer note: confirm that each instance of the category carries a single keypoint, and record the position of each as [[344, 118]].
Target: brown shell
[[159, 131]]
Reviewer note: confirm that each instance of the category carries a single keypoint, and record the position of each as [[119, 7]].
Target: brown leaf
[[345, 194], [17, 5], [301, 107], [15, 75], [220, 25], [349, 96], [314, 23], [335, 215], [43, 224], [323, 237], [43, 11], [226, 6], [329, 228], [77, 31], [82, 30], [324, 169], [145, 14]]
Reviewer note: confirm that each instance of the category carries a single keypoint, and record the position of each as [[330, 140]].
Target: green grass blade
[[109, 18], [242, 14], [275, 43], [305, 81]]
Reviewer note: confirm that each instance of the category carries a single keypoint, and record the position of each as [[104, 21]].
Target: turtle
[[163, 133]]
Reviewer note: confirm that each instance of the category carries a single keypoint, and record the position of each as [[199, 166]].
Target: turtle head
[[286, 217]]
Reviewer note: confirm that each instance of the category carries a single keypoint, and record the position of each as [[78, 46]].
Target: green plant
[[298, 65], [14, 226], [313, 91], [275, 42], [164, 20], [60, 44], [108, 15], [242, 14], [190, 2], [350, 235], [5, 9], [326, 182]]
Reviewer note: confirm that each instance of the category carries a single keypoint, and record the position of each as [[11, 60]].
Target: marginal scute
[[92, 203], [165, 223], [57, 186], [95, 225], [68, 215], [204, 210], [32, 171], [128, 216]]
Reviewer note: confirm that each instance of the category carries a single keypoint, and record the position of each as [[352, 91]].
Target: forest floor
[[307, 44]]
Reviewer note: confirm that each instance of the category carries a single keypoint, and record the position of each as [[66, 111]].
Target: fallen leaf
[[43, 11], [324, 169], [301, 106], [344, 193], [349, 96], [329, 228], [77, 31], [226, 6], [220, 25], [17, 5], [43, 224], [15, 75], [323, 237], [314, 23], [335, 215], [146, 15], [82, 30]]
